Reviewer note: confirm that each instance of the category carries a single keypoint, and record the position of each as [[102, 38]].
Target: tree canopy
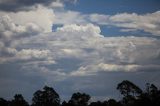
[[131, 93], [46, 97]]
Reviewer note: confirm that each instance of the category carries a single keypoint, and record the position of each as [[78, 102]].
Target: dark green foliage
[[78, 99], [47, 97], [3, 102], [134, 96], [18, 101], [127, 88], [98, 103], [112, 102]]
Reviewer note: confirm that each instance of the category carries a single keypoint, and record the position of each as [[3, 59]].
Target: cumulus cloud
[[91, 29], [95, 53], [148, 22], [82, 42], [127, 22], [10, 33], [9, 29], [41, 16], [75, 55]]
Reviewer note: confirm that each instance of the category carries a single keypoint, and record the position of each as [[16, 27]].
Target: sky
[[78, 46]]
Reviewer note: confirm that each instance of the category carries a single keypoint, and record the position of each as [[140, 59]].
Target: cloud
[[31, 54], [92, 70], [9, 29], [75, 55], [70, 17], [127, 22], [56, 5], [148, 22], [26, 5], [41, 16], [130, 21], [91, 29], [101, 19], [10, 32], [82, 42], [85, 44]]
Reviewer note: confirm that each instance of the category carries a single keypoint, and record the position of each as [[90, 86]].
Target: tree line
[[132, 95]]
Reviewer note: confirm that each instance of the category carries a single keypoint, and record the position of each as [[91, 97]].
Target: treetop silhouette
[[131, 93]]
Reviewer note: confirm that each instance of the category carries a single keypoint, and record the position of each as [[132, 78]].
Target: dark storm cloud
[[18, 5]]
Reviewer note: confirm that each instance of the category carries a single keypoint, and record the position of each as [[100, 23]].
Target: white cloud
[[40, 16], [126, 21], [56, 5], [130, 21], [98, 53], [69, 17], [9, 29], [91, 29], [10, 32], [101, 19], [103, 67], [85, 44], [116, 67], [32, 54]]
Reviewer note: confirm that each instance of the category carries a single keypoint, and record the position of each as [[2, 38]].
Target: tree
[[79, 99], [130, 92], [98, 103], [18, 101], [47, 97], [112, 102], [151, 96], [64, 103], [3, 102], [127, 88]]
